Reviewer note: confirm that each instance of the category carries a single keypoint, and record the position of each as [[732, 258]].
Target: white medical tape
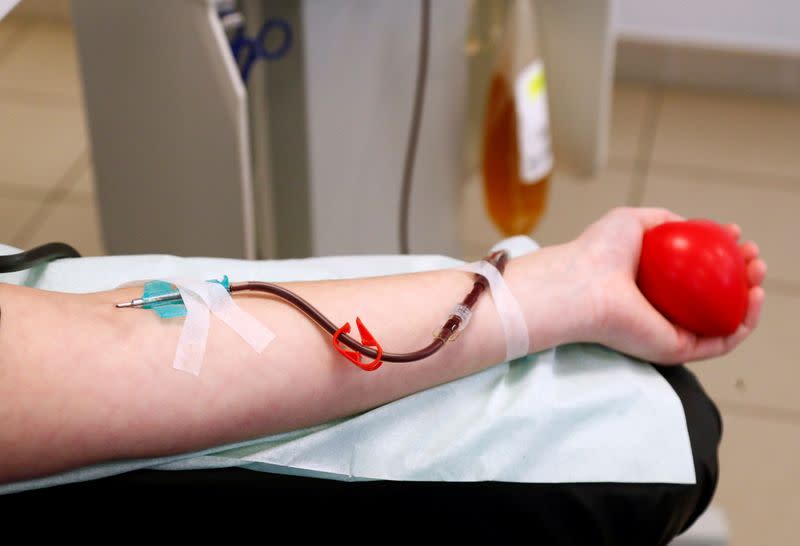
[[249, 329], [194, 335], [200, 298], [511, 317]]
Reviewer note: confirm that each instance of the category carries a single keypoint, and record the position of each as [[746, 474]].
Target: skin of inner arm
[[83, 382]]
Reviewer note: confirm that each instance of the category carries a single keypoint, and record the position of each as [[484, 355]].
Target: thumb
[[663, 339]]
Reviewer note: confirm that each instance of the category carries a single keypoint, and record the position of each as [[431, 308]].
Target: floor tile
[[9, 32], [84, 186], [44, 62], [759, 486], [74, 223], [22, 191], [573, 203], [729, 132], [14, 213], [39, 143], [767, 215], [628, 115], [763, 370]]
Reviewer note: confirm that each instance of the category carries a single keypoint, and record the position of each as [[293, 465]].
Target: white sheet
[[579, 413]]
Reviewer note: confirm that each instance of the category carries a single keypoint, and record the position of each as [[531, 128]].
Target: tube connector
[[462, 312]]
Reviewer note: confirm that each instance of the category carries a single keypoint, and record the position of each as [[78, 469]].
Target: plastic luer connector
[[464, 313]]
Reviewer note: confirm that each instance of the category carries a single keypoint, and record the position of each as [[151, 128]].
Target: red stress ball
[[694, 273]]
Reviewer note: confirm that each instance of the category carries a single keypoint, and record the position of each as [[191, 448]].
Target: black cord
[[35, 256], [416, 117]]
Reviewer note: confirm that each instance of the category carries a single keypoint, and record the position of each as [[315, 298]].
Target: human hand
[[620, 317]]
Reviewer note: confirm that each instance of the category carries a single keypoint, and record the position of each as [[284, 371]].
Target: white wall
[[752, 25]]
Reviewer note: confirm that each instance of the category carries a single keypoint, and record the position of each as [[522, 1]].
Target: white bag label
[[533, 124]]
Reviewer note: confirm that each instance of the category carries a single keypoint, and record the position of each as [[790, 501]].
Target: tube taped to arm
[[202, 298], [511, 316]]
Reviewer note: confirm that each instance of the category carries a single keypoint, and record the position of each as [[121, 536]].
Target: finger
[[733, 340], [729, 343], [688, 347], [702, 348], [734, 230], [662, 341], [756, 271], [651, 217], [754, 306], [749, 250]]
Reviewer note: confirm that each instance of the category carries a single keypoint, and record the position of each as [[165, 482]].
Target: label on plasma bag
[[533, 124]]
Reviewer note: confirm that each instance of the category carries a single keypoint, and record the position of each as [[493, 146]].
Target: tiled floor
[[46, 189], [721, 156]]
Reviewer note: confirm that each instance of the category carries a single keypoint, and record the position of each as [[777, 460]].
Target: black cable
[[416, 117], [35, 256]]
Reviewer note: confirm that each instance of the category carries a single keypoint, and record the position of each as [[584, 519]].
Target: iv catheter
[[368, 346]]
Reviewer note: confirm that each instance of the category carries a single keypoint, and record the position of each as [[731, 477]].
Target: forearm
[[81, 381]]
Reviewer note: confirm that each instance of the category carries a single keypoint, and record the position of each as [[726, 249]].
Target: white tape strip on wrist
[[509, 310]]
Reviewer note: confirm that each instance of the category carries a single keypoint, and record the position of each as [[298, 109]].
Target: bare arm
[[82, 381]]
